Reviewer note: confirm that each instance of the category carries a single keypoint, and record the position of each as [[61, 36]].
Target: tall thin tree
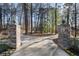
[[55, 18], [0, 18], [25, 7]]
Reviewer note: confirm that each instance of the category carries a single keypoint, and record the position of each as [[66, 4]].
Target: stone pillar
[[18, 36], [64, 35]]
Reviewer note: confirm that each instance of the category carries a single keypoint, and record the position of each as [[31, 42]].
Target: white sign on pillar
[[18, 36]]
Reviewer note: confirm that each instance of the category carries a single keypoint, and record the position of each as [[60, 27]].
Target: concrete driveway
[[42, 47]]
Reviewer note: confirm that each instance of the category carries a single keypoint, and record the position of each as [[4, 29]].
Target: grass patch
[[4, 47], [69, 52], [72, 51]]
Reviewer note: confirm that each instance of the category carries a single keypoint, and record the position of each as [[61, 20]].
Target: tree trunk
[[55, 18], [31, 18], [75, 27], [25, 7], [0, 19]]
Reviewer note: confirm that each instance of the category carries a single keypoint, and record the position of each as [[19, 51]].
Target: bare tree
[[55, 18], [0, 18], [25, 7], [31, 17]]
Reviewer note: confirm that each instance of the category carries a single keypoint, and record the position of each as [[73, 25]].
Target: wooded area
[[39, 19], [34, 17]]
